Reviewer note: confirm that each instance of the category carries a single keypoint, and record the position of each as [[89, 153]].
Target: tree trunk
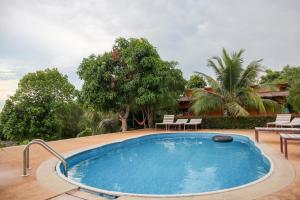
[[150, 116], [124, 118], [124, 124]]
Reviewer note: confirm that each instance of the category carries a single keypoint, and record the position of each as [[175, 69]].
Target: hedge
[[223, 122]]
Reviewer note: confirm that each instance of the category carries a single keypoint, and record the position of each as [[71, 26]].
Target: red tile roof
[[274, 94]]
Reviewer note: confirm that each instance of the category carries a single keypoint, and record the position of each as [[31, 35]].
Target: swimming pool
[[176, 164]]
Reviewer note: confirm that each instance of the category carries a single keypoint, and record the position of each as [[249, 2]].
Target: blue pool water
[[180, 163]]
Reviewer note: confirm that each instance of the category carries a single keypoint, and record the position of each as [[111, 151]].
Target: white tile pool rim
[[118, 194]]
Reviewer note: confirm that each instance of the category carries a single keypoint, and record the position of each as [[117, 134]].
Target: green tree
[[110, 79], [232, 92], [129, 76], [195, 81], [293, 97], [158, 89], [290, 75], [1, 130], [69, 117], [33, 111], [286, 75], [270, 77]]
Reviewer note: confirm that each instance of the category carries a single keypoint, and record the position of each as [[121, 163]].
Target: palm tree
[[231, 90]]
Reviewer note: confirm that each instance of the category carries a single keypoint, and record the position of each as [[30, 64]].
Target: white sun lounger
[[168, 119], [280, 119], [179, 122], [294, 123], [194, 122], [284, 138], [275, 130]]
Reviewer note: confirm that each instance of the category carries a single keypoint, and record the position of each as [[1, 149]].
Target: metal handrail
[[48, 148], [42, 141]]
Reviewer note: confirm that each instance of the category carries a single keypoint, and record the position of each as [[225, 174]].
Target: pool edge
[[211, 193]]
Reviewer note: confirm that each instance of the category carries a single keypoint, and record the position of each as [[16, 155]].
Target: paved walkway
[[13, 186]]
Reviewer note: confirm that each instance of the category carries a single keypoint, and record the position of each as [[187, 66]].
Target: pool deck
[[14, 186]]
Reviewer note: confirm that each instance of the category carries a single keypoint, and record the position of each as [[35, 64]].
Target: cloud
[[7, 88], [38, 34], [6, 74]]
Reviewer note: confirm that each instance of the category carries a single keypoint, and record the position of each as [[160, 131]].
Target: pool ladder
[[48, 148]]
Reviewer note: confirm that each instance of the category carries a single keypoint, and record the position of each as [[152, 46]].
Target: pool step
[[78, 195]]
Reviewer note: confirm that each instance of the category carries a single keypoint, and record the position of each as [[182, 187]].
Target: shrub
[[109, 125], [223, 122], [85, 132]]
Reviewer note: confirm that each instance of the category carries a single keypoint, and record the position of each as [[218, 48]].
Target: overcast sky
[[54, 33]]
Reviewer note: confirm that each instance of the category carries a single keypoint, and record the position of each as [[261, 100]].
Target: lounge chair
[[284, 139], [168, 119], [179, 122], [194, 122], [280, 119], [275, 130], [294, 123]]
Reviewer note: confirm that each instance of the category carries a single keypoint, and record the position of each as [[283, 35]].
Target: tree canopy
[[159, 89], [39, 107], [131, 75], [294, 88], [232, 92], [286, 75], [195, 81], [290, 75], [294, 96]]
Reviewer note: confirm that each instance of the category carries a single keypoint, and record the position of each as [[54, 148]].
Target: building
[[276, 92]]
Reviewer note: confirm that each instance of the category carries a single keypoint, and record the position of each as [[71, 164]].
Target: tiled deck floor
[[15, 187]]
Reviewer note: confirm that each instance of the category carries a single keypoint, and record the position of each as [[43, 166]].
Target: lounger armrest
[[193, 123]]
